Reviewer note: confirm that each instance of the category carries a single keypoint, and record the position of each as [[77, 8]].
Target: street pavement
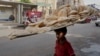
[[83, 37], [7, 26]]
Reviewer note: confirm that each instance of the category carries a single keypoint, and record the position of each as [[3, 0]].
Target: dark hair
[[64, 30]]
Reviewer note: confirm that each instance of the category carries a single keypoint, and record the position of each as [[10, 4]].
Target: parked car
[[94, 18], [97, 22], [87, 20]]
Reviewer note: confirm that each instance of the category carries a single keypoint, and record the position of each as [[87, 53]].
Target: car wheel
[[96, 24]]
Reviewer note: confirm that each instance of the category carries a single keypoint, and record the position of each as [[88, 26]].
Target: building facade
[[13, 7], [70, 2], [53, 4], [45, 5]]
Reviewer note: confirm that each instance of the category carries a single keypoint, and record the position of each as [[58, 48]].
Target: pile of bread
[[64, 16]]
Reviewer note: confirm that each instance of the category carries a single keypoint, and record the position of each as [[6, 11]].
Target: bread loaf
[[65, 15]]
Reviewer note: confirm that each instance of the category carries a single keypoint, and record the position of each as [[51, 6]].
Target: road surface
[[85, 39]]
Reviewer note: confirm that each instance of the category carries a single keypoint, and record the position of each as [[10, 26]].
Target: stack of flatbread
[[64, 16]]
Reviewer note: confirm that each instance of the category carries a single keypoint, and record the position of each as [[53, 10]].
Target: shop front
[[13, 8]]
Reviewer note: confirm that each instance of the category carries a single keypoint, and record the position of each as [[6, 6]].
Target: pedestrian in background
[[11, 18], [30, 14], [34, 15]]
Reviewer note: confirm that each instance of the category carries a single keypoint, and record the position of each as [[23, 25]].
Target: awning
[[42, 4], [14, 3]]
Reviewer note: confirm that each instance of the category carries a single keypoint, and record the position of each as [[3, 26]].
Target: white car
[[97, 22]]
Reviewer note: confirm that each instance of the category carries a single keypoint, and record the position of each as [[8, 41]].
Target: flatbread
[[61, 17]]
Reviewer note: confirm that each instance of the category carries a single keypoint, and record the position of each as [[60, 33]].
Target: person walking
[[63, 47], [31, 16]]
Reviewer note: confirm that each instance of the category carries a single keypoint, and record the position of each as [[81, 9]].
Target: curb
[[11, 26], [6, 27]]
